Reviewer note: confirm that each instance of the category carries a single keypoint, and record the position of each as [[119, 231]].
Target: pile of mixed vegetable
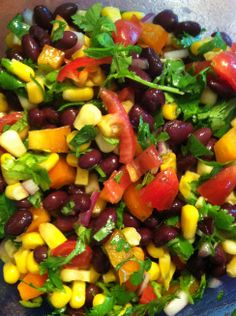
[[118, 150]]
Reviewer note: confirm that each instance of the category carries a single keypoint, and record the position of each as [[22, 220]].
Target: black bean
[[18, 223], [90, 159], [75, 312], [190, 27], [219, 257], [167, 19], [68, 40], [206, 225], [176, 207], [13, 100], [23, 204], [136, 112], [51, 116], [100, 261], [49, 126], [109, 164], [104, 216], [178, 130], [66, 10], [153, 99], [151, 222], [43, 17], [75, 189], [179, 264], [203, 134], [186, 163], [40, 253], [155, 64], [55, 201], [36, 118], [82, 202], [68, 116], [130, 221], [65, 223], [231, 208], [210, 145], [221, 87], [218, 270], [40, 35], [164, 234], [140, 73], [30, 47], [197, 266], [91, 291], [2, 184], [146, 236], [14, 53], [226, 38]]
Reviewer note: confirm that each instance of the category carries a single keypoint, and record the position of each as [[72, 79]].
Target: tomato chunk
[[127, 32], [9, 119], [148, 295]]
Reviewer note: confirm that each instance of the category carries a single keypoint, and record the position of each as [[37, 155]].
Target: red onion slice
[[84, 217], [141, 63], [148, 18], [77, 46]]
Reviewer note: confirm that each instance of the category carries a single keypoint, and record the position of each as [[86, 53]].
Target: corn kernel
[[35, 91], [78, 94], [24, 72], [16, 192], [31, 240], [52, 236], [229, 246], [12, 40], [189, 221], [231, 267], [155, 252], [31, 264], [78, 294], [104, 145], [203, 168], [11, 274], [99, 206], [170, 276], [10, 248], [185, 184], [82, 176], [109, 277], [108, 126], [21, 258], [132, 236], [50, 57], [112, 13], [72, 160], [196, 45], [11, 142], [50, 162], [99, 299], [168, 161], [169, 111], [3, 103], [61, 298], [154, 271], [93, 184], [69, 275], [129, 14], [88, 115], [210, 55], [165, 264]]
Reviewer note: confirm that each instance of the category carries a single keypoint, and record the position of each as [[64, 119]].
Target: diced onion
[[208, 97], [177, 54], [141, 63], [144, 283], [214, 283], [30, 186], [205, 250], [28, 16], [177, 304]]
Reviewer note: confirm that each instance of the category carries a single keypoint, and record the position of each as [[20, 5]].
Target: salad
[[118, 150]]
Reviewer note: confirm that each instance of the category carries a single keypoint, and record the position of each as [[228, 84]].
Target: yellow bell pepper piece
[[51, 57], [225, 148]]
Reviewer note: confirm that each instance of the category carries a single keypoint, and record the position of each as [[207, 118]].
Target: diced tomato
[[216, 189], [71, 69], [224, 65], [115, 186], [148, 295], [233, 48], [126, 135], [162, 191], [125, 94], [81, 261], [9, 119], [127, 32], [198, 66]]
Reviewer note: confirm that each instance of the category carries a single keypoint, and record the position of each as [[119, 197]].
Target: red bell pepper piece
[[162, 191], [216, 189], [127, 32], [148, 295], [71, 69], [81, 261], [10, 119], [126, 135]]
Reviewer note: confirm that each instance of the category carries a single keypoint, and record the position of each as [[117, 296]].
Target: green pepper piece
[[9, 82]]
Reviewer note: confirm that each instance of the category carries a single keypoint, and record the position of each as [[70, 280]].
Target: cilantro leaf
[[216, 42], [121, 295], [68, 208], [120, 243], [105, 230], [162, 137], [118, 176], [148, 177], [188, 106], [111, 141], [138, 276], [18, 27], [84, 135], [220, 295], [181, 247], [7, 208], [120, 213], [59, 31], [172, 221], [196, 148], [145, 137], [201, 289], [158, 120], [102, 309], [36, 199]]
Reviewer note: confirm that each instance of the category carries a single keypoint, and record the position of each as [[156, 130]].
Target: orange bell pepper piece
[[127, 269], [52, 139], [62, 174], [28, 292], [225, 148], [135, 204], [51, 57], [153, 36], [40, 215]]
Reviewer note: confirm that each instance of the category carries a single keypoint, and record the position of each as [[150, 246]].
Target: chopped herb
[[189, 107], [58, 312], [220, 295], [138, 276], [104, 231], [162, 137], [120, 212], [187, 40], [21, 124], [59, 31], [7, 208], [18, 27], [201, 289], [120, 243], [216, 42], [102, 309], [148, 177], [68, 208], [83, 233], [196, 148], [158, 120], [181, 247], [172, 221], [100, 171], [145, 137], [111, 141], [36, 199], [84, 135], [233, 312], [118, 176]]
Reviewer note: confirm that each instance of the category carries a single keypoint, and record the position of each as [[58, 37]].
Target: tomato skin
[[127, 32], [198, 66], [162, 191], [148, 295], [126, 93], [126, 135], [81, 261], [216, 189], [9, 119], [224, 65]]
